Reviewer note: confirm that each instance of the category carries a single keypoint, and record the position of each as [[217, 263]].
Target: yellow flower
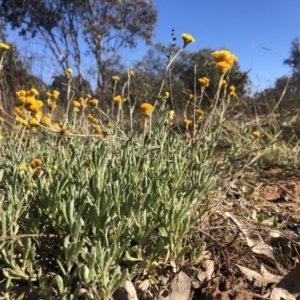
[[54, 94], [1, 120], [190, 96], [204, 81], [147, 109], [91, 118], [115, 78], [68, 71], [232, 95], [46, 120], [18, 111], [22, 167], [34, 92], [21, 121], [187, 122], [224, 82], [171, 114], [232, 88], [29, 101], [36, 163], [55, 126], [187, 39], [4, 46], [21, 93], [97, 128], [256, 133], [93, 102], [223, 66], [1, 137], [52, 104], [224, 55], [33, 121], [76, 103], [200, 113], [35, 107], [38, 115], [110, 125], [130, 72], [118, 99]]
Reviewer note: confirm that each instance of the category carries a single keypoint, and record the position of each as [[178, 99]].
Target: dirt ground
[[252, 242]]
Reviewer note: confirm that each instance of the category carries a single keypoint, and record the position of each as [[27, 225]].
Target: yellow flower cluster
[[147, 109], [232, 93], [224, 60], [118, 99], [29, 109], [93, 102], [204, 81], [52, 97]]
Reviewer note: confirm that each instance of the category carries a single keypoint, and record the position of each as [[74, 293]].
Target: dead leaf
[[270, 278], [254, 241], [130, 289], [144, 285], [252, 276], [206, 270]]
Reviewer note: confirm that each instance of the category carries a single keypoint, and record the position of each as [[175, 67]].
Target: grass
[[84, 208]]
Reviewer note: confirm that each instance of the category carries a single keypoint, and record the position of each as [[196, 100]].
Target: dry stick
[[281, 97], [20, 236], [194, 107]]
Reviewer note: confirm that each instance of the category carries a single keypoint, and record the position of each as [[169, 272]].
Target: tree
[[294, 60], [74, 28]]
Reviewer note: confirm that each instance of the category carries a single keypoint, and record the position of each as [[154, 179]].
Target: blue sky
[[242, 26]]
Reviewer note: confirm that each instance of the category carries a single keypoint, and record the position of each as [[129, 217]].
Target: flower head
[[76, 103], [115, 78], [187, 39], [224, 55], [4, 46], [22, 167], [147, 109], [68, 72], [256, 133], [188, 122], [91, 118], [171, 114], [97, 128], [46, 120], [204, 81], [118, 99], [93, 102], [223, 67], [36, 163]]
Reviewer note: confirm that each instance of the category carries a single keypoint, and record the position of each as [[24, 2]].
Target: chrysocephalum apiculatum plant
[[85, 205]]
